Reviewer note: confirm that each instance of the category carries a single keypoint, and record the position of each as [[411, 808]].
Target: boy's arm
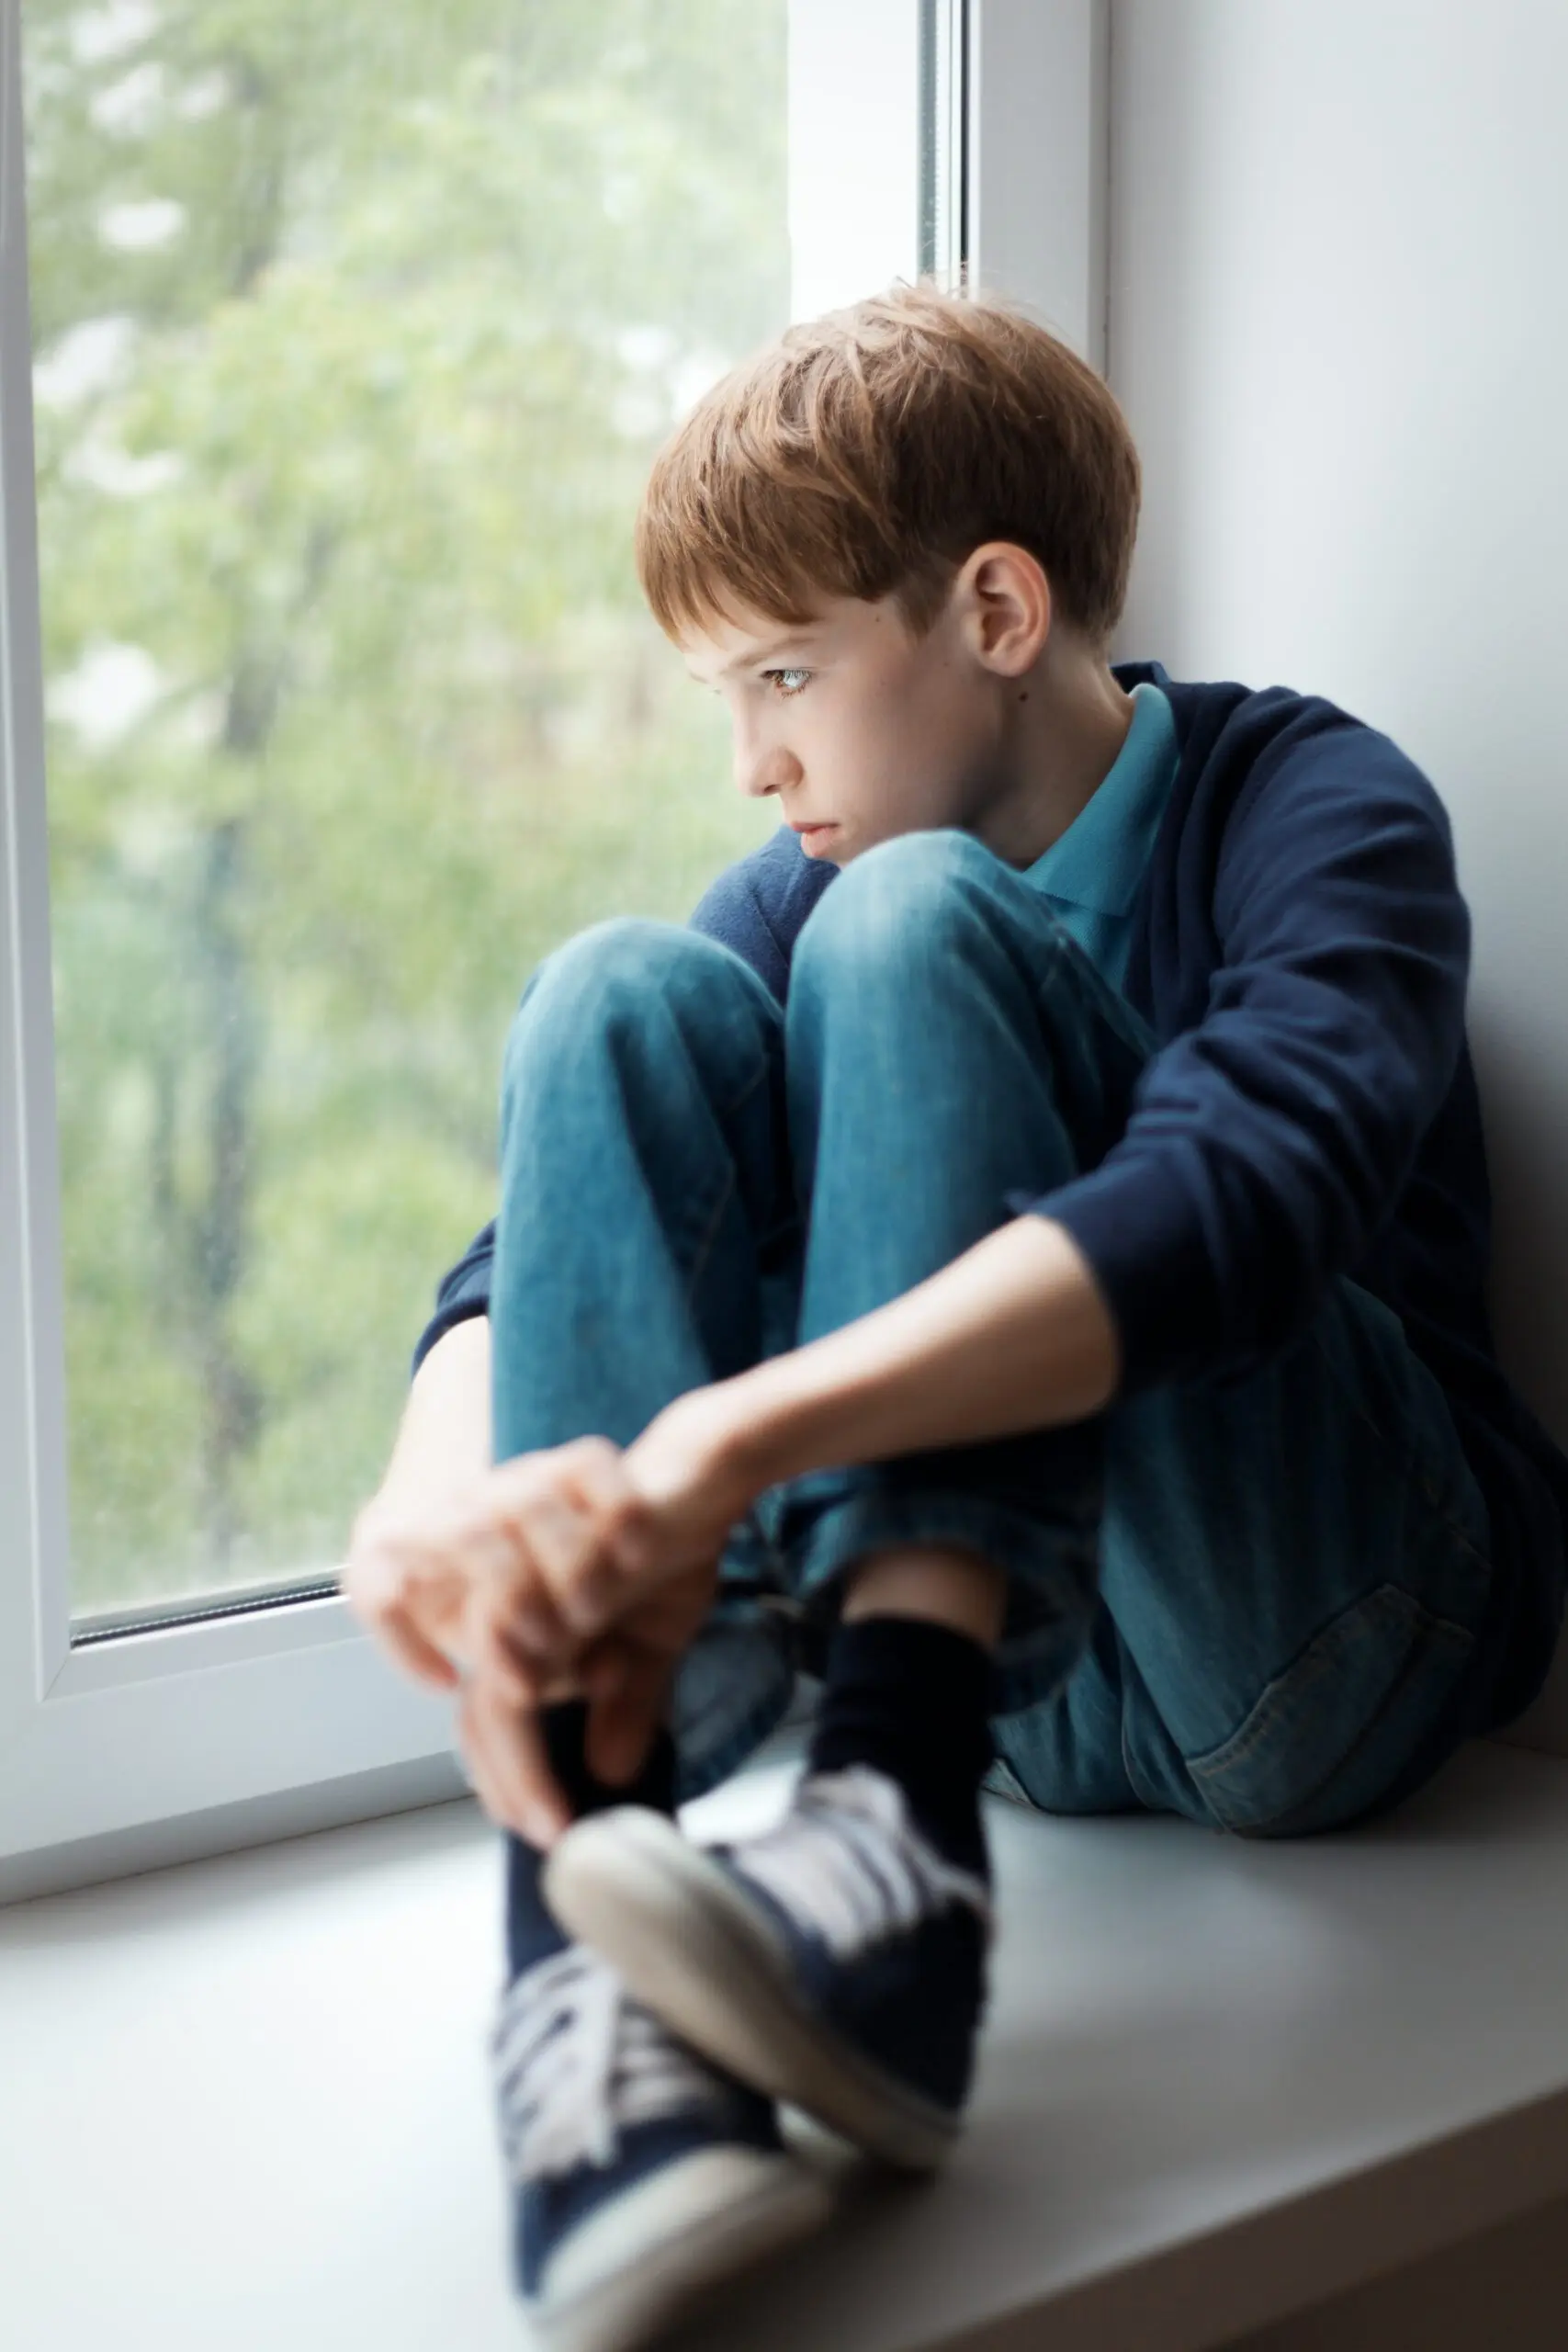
[[1271, 1139], [1012, 1335], [444, 1438], [461, 1295], [441, 1450]]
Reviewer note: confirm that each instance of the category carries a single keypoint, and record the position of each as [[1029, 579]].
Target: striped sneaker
[[838, 1962], [641, 2178]]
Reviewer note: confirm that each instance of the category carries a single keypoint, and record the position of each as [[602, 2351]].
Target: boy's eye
[[785, 682]]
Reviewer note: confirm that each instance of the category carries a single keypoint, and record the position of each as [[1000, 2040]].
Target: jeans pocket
[[1338, 1729]]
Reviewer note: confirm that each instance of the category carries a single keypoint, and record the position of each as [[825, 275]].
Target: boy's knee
[[906, 897], [614, 969], [626, 955], [607, 981]]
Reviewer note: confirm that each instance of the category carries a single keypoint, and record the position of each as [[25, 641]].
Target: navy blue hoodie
[[1301, 951]]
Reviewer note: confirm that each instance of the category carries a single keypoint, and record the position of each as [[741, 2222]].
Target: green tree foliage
[[355, 327]]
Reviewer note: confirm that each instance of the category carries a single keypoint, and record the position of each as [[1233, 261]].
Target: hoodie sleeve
[[1269, 1142]]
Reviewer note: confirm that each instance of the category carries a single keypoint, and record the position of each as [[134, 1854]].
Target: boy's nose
[[774, 770]]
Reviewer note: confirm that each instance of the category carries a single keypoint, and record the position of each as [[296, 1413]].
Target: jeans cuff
[[1050, 1570], [731, 1690]]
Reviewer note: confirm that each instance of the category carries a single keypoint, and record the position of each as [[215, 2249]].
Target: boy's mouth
[[810, 835]]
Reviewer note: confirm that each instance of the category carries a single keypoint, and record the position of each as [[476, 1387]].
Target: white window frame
[[1037, 166], [262, 1718]]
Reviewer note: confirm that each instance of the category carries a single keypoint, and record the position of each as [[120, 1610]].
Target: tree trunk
[[219, 1221]]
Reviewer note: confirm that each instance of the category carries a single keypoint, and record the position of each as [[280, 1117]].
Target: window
[[351, 333], [354, 329]]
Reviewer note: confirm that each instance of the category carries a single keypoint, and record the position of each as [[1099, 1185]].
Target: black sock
[[913, 1700], [531, 1931]]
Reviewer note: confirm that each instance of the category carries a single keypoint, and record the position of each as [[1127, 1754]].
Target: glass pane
[[354, 327]]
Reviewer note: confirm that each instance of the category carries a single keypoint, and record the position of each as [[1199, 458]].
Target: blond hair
[[870, 452]]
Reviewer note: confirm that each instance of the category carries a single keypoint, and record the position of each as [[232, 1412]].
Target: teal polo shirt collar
[[1101, 860], [1092, 875]]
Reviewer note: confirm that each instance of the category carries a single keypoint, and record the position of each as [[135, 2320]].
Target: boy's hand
[[577, 1569], [626, 1677], [524, 1568], [468, 1580]]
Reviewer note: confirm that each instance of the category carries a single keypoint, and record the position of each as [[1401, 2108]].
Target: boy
[[1020, 1254]]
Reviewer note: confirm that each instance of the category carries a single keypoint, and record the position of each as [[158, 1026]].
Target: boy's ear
[[1003, 601]]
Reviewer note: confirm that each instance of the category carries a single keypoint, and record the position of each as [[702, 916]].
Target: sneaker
[[837, 1963], [641, 2178]]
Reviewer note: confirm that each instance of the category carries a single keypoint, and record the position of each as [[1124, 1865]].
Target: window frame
[[254, 1717]]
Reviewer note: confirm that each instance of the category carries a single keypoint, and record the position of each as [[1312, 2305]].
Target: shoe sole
[[691, 1948], [671, 2281]]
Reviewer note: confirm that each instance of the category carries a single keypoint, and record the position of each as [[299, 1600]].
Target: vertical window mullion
[[944, 139], [34, 1547], [1038, 162]]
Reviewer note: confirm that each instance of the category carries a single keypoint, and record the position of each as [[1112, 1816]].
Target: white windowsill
[[245, 2102]]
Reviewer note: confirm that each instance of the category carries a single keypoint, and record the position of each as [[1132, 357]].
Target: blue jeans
[[1255, 1604]]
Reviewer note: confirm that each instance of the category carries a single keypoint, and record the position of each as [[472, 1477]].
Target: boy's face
[[860, 728]]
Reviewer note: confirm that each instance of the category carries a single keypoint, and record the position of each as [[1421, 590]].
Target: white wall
[[1338, 324]]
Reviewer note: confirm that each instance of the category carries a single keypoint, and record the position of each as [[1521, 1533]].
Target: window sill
[[246, 2100]]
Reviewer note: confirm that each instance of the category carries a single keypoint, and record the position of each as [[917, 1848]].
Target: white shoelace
[[578, 2062], [848, 1863]]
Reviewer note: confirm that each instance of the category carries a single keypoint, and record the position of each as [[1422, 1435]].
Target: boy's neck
[[1063, 731]]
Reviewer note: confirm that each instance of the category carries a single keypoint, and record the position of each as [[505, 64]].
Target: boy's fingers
[[523, 1614], [550, 1535], [410, 1650], [506, 1757], [488, 1785], [625, 1708], [598, 1474], [574, 1507], [519, 1678], [611, 1569], [527, 1677], [602, 1671], [406, 1583], [503, 1581]]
